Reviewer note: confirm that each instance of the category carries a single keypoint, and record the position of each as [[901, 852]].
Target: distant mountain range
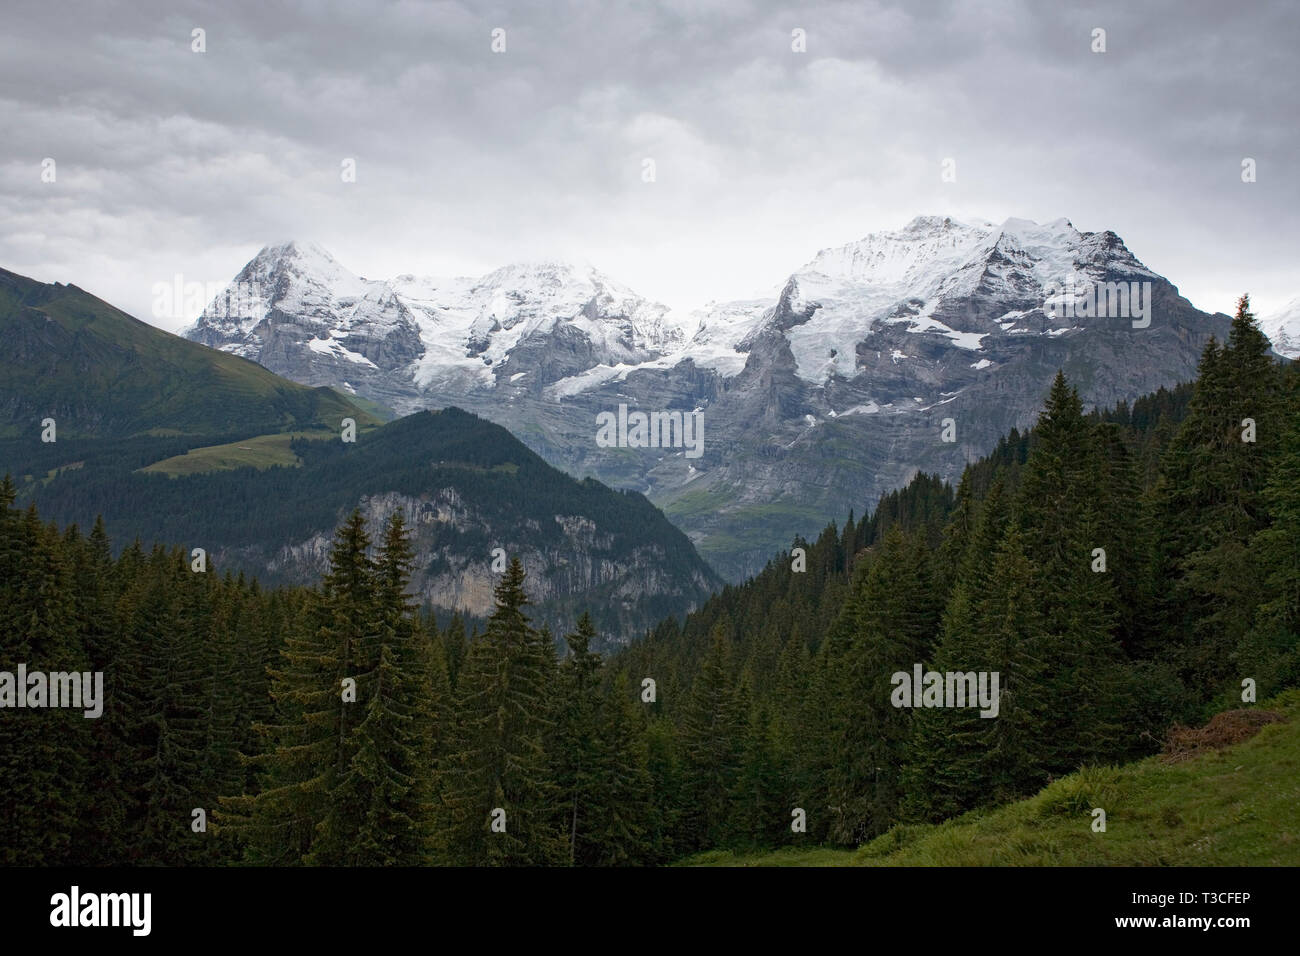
[[185, 445], [821, 398]]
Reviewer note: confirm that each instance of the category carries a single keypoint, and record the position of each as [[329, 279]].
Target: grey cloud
[[175, 162]]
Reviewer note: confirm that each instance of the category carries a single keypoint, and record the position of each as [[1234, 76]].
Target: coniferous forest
[[1123, 571]]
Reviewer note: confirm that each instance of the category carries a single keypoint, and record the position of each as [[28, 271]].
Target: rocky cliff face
[[837, 390], [571, 565]]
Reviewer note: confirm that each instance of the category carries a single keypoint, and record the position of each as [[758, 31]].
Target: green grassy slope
[[1239, 806], [262, 451], [101, 373]]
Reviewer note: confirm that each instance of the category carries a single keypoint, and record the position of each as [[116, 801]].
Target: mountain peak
[[309, 253], [930, 224]]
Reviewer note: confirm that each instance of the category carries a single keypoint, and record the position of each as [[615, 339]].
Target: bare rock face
[[819, 400]]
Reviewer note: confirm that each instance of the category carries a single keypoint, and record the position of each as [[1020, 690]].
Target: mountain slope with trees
[[1122, 572]]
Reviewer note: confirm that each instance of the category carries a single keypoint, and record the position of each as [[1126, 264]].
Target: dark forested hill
[[466, 488]]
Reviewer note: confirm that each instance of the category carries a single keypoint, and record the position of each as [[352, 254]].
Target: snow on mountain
[[1283, 329], [906, 277], [830, 390], [566, 327], [446, 332]]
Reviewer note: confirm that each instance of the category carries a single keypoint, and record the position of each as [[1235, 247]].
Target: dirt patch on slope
[[1223, 730]]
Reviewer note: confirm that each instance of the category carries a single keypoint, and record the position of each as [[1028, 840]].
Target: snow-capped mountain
[[1283, 330], [294, 307], [816, 400], [924, 278]]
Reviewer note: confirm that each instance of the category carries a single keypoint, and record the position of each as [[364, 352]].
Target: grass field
[[1237, 806], [264, 451]]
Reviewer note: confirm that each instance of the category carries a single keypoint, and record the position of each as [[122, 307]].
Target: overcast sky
[[170, 161]]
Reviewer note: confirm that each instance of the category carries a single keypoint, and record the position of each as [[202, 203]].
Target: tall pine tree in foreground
[[381, 803], [711, 748], [311, 744], [889, 621], [1210, 503], [500, 799]]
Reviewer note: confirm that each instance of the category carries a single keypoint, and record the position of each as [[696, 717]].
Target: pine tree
[[960, 759], [42, 749], [891, 616], [498, 760], [622, 814], [381, 804], [1271, 654], [762, 798], [1210, 503], [577, 757], [455, 647], [104, 822], [313, 742], [711, 746]]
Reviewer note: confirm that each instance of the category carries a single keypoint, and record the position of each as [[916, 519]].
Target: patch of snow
[[871, 408], [1283, 330], [331, 346]]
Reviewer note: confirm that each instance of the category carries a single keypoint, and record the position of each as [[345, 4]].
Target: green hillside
[[1236, 806], [261, 451], [100, 373]]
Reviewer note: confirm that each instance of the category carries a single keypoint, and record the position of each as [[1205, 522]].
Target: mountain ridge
[[836, 388]]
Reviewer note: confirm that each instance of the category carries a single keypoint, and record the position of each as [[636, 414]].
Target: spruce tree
[[1210, 503], [381, 804], [711, 746], [892, 614], [577, 758], [312, 743], [497, 761]]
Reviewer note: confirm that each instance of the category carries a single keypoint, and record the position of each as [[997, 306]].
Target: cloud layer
[[171, 161]]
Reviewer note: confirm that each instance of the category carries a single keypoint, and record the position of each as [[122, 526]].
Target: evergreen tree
[[1271, 654], [891, 616], [711, 729], [381, 804], [313, 742], [577, 757], [1210, 503], [497, 761]]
